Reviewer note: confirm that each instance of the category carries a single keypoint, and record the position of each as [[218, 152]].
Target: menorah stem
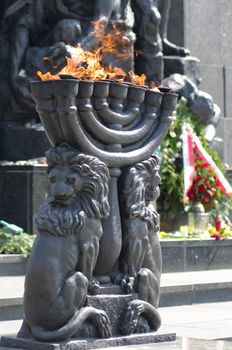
[[111, 241]]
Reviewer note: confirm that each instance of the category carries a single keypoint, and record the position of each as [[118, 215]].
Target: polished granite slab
[[182, 343]]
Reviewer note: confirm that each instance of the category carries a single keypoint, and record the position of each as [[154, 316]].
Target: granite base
[[80, 344], [188, 66]]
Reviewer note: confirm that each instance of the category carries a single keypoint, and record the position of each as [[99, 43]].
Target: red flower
[[216, 236], [201, 189], [218, 225], [191, 196], [218, 183], [205, 165]]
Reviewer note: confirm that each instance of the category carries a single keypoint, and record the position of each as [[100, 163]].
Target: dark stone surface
[[173, 256], [211, 74], [20, 143], [176, 20], [12, 265], [11, 312], [176, 297], [188, 66], [114, 305], [228, 140], [206, 295], [196, 255], [134, 339], [22, 188]]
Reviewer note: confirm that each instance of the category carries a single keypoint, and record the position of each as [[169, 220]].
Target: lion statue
[[66, 248], [141, 252]]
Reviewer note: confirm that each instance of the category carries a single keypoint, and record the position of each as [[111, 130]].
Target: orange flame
[[111, 40], [87, 65], [154, 86], [137, 79]]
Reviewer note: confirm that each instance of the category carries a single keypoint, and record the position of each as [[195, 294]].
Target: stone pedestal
[[75, 344], [22, 190], [20, 143], [188, 66], [114, 305], [112, 300]]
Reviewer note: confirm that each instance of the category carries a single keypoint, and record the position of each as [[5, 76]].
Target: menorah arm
[[118, 159], [51, 122], [110, 136], [110, 117], [70, 128], [46, 108], [142, 142]]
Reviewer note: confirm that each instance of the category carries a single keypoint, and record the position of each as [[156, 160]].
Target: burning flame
[[87, 65], [137, 79], [154, 86]]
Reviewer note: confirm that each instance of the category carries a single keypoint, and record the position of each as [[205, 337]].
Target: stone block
[[183, 296], [22, 190], [12, 265], [207, 295], [213, 83], [228, 141], [210, 255], [176, 23], [196, 255], [204, 30], [188, 66], [114, 305], [227, 33], [173, 256], [20, 143], [228, 89], [133, 339]]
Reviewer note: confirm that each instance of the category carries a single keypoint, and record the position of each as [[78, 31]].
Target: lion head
[[78, 189], [140, 186]]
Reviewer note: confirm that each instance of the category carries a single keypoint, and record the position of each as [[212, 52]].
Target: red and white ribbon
[[188, 159], [203, 155], [192, 143]]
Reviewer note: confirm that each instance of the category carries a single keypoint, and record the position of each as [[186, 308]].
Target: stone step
[[178, 255], [12, 265], [183, 288]]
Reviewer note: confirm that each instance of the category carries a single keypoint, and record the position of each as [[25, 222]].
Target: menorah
[[89, 242], [119, 123]]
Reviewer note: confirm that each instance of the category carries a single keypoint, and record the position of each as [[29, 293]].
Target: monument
[[93, 277]]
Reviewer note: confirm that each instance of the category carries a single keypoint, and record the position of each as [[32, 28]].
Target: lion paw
[[125, 281], [93, 287]]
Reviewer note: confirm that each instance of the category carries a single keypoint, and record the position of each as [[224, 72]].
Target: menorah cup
[[119, 123]]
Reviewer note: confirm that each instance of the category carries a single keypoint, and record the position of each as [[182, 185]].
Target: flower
[[218, 225], [216, 236], [206, 187]]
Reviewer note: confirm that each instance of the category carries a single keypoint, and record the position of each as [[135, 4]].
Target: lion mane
[[136, 181], [91, 200]]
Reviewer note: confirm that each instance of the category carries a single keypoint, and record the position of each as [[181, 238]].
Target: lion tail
[[68, 330]]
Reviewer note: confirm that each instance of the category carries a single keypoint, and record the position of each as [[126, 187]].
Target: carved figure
[[66, 248], [169, 49], [200, 103], [141, 252], [38, 29]]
